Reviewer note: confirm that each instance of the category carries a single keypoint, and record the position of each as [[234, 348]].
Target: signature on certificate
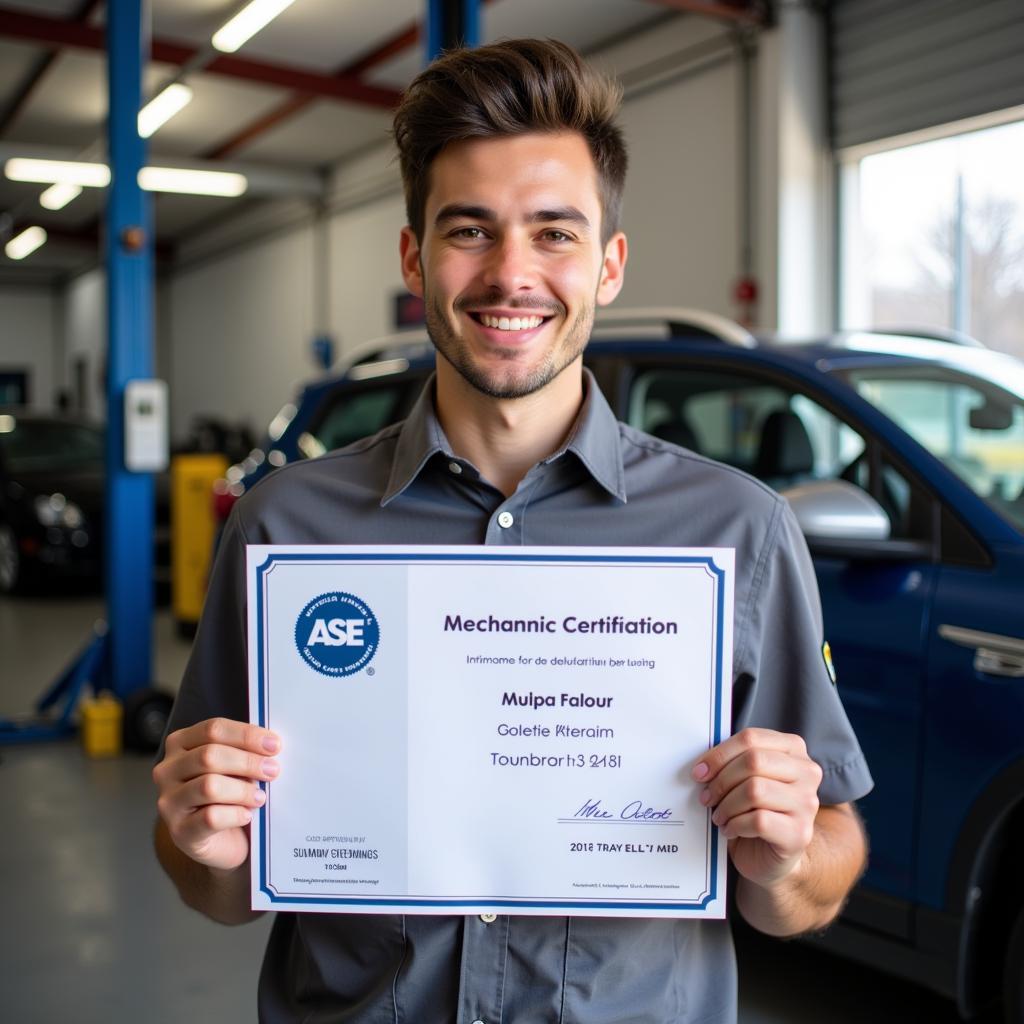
[[635, 810]]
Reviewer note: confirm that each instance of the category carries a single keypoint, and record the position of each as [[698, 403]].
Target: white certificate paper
[[490, 730]]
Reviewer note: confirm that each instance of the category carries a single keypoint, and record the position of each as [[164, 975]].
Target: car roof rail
[[925, 333], [680, 321], [403, 344]]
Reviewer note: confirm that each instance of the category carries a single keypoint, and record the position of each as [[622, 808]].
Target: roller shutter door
[[902, 65]]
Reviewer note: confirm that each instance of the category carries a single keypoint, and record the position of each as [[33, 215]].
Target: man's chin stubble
[[509, 386]]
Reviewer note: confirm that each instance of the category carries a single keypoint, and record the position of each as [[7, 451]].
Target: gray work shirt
[[609, 484]]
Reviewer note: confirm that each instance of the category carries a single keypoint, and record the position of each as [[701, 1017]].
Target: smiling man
[[513, 170]]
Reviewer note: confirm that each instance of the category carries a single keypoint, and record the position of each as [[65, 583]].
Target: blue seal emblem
[[337, 634]]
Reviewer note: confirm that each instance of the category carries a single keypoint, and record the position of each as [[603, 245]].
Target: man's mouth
[[509, 323]]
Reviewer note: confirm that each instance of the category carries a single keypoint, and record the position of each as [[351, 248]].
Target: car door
[[876, 609]]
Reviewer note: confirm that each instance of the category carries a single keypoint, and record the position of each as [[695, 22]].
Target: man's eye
[[554, 235], [467, 233]]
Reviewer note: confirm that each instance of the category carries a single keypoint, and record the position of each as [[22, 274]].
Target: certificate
[[473, 730]]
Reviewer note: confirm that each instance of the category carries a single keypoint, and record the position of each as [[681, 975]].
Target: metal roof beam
[[741, 12], [16, 24]]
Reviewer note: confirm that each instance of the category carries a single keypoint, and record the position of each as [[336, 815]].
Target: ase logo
[[337, 634]]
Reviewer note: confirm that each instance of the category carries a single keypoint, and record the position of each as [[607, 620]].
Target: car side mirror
[[837, 510], [839, 520]]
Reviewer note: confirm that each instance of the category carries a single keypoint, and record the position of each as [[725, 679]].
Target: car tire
[[1013, 974], [145, 719], [10, 561]]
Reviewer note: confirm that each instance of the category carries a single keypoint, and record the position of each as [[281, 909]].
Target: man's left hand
[[763, 787]]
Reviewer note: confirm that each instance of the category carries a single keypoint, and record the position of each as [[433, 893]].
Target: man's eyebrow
[[564, 213], [468, 211], [464, 211]]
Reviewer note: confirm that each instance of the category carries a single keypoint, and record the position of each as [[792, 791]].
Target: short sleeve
[[215, 683], [782, 677]]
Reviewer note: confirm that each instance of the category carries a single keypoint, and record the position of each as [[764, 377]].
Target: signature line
[[614, 821]]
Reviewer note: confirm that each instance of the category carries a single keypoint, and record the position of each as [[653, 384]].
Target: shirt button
[[505, 520], [488, 918], [455, 468]]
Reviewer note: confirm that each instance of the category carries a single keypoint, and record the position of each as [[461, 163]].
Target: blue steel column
[[450, 24], [129, 259]]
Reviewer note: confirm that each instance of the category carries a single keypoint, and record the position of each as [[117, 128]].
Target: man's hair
[[514, 87]]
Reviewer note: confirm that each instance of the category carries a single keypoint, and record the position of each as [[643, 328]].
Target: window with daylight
[[933, 236]]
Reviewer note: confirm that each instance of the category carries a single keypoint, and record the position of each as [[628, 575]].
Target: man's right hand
[[209, 787]]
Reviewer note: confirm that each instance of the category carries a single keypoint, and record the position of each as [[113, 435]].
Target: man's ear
[[409, 252], [612, 269]]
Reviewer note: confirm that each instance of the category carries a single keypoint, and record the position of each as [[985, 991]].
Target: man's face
[[511, 264]]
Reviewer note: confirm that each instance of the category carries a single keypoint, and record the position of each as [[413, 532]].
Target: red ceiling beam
[[20, 101], [742, 12], [16, 24], [391, 47]]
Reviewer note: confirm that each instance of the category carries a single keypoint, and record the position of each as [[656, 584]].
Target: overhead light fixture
[[162, 107], [196, 183], [57, 172], [27, 242], [246, 23], [56, 197]]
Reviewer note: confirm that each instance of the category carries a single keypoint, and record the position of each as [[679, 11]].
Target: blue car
[[903, 458]]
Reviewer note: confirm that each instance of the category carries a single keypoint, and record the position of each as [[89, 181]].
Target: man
[[513, 170]]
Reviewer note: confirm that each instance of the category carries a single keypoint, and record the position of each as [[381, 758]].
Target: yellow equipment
[[193, 530]]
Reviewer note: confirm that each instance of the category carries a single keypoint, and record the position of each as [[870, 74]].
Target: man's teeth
[[511, 323]]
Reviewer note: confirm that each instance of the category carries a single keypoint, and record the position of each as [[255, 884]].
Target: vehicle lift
[[120, 658]]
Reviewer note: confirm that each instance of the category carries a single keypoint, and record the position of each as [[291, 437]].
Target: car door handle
[[993, 654]]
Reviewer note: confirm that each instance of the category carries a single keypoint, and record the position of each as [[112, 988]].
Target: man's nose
[[511, 265]]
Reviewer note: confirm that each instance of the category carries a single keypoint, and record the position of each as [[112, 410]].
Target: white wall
[[85, 337], [29, 340], [239, 331]]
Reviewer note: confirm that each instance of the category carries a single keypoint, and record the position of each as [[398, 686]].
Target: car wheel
[[10, 560], [1013, 974], [145, 718]]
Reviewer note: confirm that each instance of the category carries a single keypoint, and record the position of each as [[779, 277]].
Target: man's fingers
[[766, 765], [714, 760], [770, 795], [787, 834], [197, 828], [224, 732]]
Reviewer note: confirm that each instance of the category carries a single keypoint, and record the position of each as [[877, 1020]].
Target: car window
[[774, 432], [975, 428], [36, 445], [350, 415], [763, 428]]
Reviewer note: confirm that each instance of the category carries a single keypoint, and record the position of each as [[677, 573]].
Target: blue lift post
[[119, 659], [130, 502], [451, 24]]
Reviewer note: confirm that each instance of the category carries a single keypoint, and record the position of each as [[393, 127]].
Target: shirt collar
[[594, 440]]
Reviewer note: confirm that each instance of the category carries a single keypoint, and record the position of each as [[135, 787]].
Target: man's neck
[[504, 438]]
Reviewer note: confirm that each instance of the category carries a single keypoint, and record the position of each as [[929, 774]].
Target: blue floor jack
[[87, 669]]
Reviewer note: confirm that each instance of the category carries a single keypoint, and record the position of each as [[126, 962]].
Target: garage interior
[[750, 124]]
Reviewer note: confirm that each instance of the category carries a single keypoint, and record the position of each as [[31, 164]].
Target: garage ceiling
[[313, 88]]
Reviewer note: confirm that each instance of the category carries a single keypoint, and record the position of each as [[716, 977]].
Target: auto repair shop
[[200, 208]]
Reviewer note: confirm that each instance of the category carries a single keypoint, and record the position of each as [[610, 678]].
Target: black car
[[51, 498]]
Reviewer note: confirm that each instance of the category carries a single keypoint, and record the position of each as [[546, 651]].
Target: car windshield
[[29, 445], [975, 426]]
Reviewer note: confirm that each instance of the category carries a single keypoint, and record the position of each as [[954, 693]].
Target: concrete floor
[[95, 933]]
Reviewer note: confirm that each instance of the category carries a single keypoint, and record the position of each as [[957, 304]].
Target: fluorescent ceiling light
[[57, 172], [246, 23], [196, 183], [27, 242], [56, 197], [162, 107]]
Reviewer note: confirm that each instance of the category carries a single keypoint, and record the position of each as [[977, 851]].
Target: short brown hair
[[513, 87]]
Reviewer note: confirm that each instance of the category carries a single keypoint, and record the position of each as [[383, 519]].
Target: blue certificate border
[[501, 555]]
